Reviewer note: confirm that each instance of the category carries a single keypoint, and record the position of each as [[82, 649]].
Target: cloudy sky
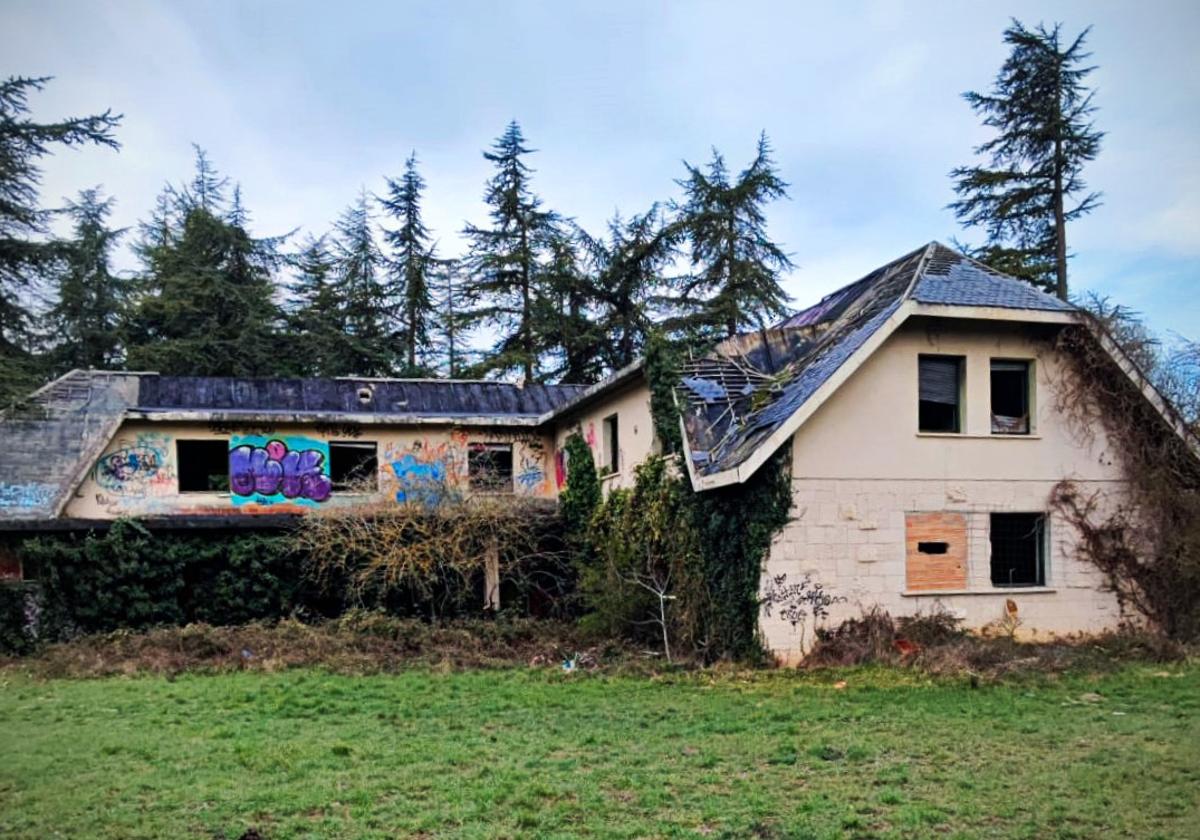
[[305, 103]]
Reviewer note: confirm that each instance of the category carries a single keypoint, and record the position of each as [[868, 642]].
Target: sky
[[307, 103]]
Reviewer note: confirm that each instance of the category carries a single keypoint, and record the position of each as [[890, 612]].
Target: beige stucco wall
[[635, 435], [859, 465], [153, 489]]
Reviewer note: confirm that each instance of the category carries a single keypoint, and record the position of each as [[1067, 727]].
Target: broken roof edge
[[617, 379], [739, 473]]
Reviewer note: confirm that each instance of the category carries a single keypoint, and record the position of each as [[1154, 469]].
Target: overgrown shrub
[[433, 561], [1148, 546], [19, 605], [129, 577]]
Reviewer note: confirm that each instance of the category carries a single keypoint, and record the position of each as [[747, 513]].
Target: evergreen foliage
[[412, 266], [27, 253], [360, 268], [1041, 112], [506, 280], [736, 267], [580, 498], [90, 299], [572, 339], [629, 274], [448, 342], [317, 318], [206, 296]]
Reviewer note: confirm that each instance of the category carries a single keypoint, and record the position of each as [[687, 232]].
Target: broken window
[[612, 450], [1018, 549], [353, 466], [203, 466], [490, 467], [940, 393], [1010, 397]]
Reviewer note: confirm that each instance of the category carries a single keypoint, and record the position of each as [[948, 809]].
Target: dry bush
[[358, 643], [935, 643], [369, 550], [1149, 546]]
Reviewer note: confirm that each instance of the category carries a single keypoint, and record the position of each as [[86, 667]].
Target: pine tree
[[448, 343], [206, 296], [506, 281], [86, 318], [317, 316], [27, 253], [735, 282], [1041, 112], [411, 265], [360, 268], [629, 276], [573, 341]]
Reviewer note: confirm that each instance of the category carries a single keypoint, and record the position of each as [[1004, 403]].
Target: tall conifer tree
[[506, 280], [736, 266], [411, 264], [206, 302], [360, 270], [26, 251], [1041, 111], [317, 316], [89, 299]]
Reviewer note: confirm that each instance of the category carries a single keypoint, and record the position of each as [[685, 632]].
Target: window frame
[[184, 443], [346, 487], [1029, 396], [497, 487], [959, 407], [611, 447], [1042, 546]]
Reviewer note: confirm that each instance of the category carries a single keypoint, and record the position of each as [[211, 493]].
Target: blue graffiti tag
[[420, 482]]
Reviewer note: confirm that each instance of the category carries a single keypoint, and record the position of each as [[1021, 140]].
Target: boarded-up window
[[936, 551], [940, 393]]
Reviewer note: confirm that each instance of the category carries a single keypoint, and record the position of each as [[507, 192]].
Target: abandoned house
[[918, 405]]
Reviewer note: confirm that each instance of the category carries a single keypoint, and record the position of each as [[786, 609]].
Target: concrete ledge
[[1007, 592]]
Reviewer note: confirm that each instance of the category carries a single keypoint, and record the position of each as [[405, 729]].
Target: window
[[203, 466], [353, 466], [1018, 549], [612, 449], [490, 467], [1010, 397], [935, 551], [940, 393]]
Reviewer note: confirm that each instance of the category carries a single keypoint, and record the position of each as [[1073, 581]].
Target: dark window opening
[[1018, 549], [1010, 398], [353, 466], [490, 467], [612, 449], [203, 466], [933, 547], [940, 394]]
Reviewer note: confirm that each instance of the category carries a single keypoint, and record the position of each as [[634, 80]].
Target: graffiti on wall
[[288, 468], [424, 471], [26, 495], [137, 467], [531, 472], [590, 437], [560, 468], [338, 430], [230, 427]]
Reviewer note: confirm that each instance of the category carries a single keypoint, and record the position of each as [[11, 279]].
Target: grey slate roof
[[723, 433], [409, 397]]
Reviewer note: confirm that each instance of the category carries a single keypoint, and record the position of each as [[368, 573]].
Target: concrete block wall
[[849, 535]]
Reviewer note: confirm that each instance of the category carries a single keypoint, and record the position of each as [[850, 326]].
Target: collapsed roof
[[751, 385]]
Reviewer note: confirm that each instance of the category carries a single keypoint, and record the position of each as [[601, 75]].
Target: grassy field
[[538, 753]]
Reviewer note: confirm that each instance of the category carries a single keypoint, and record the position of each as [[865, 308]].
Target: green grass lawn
[[538, 753]]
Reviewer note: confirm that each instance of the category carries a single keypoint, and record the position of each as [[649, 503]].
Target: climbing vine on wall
[[690, 561], [1148, 545]]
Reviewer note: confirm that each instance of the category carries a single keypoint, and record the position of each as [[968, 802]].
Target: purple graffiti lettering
[[271, 469]]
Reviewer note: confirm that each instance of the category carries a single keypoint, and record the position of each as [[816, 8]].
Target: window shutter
[[939, 380]]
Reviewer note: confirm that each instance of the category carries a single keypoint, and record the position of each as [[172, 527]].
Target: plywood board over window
[[936, 551]]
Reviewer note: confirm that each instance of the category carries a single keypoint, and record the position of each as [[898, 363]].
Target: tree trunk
[[1060, 220], [526, 342]]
